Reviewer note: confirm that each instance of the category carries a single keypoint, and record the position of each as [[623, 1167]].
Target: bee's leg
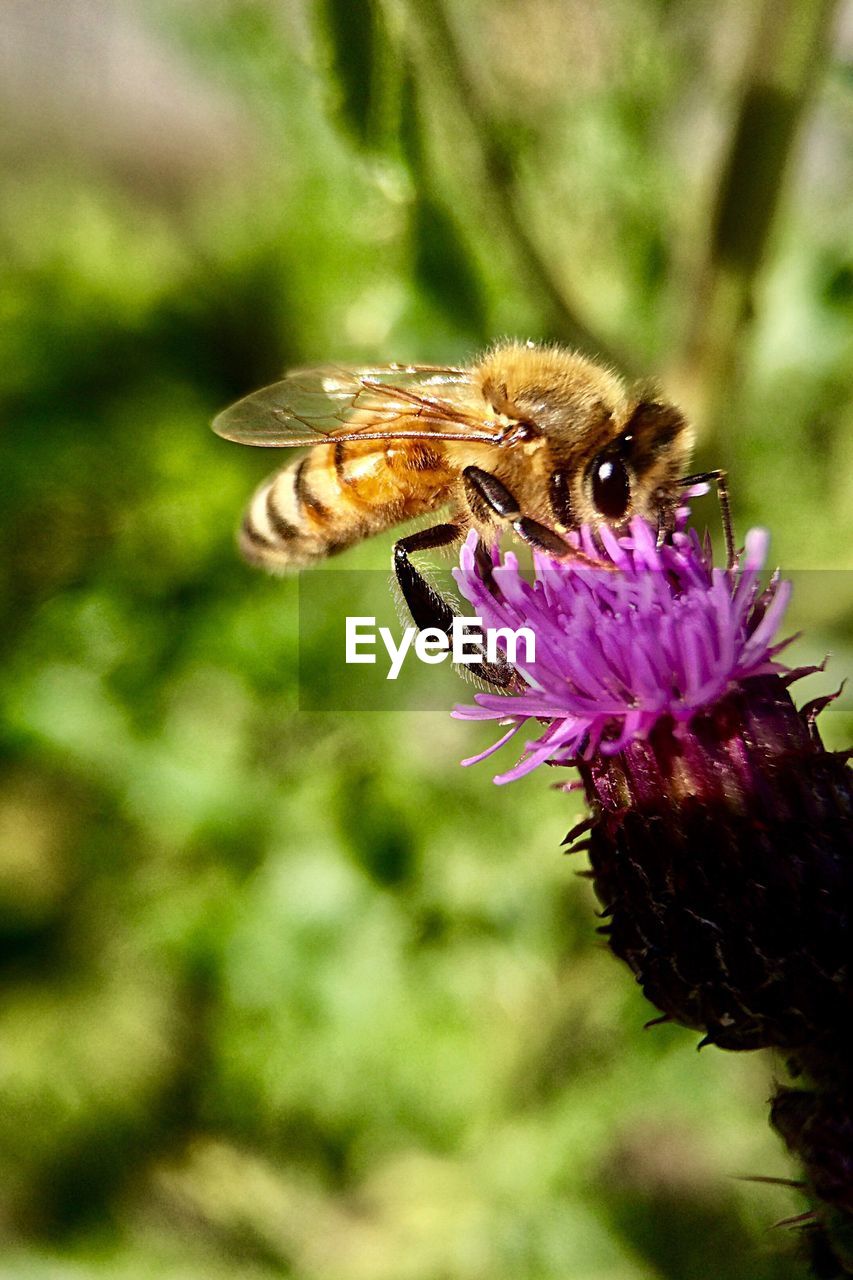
[[487, 494], [429, 608], [485, 565], [666, 524], [720, 479]]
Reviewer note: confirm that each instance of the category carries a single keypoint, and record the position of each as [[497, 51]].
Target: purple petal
[[660, 632]]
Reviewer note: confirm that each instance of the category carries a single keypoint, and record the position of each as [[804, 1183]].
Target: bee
[[535, 438]]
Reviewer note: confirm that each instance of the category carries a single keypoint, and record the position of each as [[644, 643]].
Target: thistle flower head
[[656, 632], [720, 834]]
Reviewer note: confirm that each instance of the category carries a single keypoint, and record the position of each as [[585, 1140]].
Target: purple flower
[[720, 832], [656, 633]]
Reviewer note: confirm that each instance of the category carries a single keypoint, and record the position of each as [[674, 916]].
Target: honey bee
[[536, 438]]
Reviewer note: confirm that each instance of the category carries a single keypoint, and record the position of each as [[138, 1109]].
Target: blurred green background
[[294, 995]]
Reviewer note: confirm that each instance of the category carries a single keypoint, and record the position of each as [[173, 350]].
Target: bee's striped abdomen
[[334, 497], [286, 523]]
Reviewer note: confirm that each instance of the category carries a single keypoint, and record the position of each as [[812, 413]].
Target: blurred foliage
[[289, 994]]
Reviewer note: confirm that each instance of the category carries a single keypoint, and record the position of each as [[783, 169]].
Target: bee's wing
[[311, 406]]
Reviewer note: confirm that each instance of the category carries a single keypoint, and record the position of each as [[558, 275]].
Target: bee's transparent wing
[[311, 406]]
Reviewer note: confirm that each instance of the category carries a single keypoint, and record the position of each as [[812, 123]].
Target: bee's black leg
[[489, 496], [720, 479], [429, 608], [485, 564]]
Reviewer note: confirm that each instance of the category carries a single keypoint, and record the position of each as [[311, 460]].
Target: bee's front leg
[[487, 494], [429, 608], [720, 479], [665, 523]]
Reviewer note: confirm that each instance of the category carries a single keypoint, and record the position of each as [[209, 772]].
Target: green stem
[[782, 67]]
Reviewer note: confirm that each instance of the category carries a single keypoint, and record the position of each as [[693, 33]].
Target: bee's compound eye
[[611, 488]]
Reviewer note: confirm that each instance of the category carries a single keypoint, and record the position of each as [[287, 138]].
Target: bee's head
[[638, 470], [628, 467]]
